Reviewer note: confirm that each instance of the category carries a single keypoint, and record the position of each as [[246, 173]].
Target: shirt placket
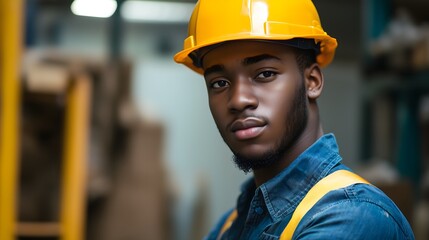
[[257, 212]]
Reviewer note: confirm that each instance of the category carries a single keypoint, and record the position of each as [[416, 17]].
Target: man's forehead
[[247, 61], [245, 52]]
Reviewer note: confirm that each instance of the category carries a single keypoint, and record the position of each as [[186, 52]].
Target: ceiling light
[[94, 8], [152, 11]]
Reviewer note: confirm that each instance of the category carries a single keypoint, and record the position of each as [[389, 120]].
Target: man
[[261, 61]]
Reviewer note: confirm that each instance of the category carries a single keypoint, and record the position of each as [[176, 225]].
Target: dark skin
[[252, 89]]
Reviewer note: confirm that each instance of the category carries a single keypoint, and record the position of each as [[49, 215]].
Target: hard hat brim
[[327, 48]]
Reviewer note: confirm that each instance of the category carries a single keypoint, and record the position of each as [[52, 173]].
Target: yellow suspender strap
[[228, 223], [335, 180]]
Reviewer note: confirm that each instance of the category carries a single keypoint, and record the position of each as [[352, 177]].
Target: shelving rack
[[73, 175], [403, 88]]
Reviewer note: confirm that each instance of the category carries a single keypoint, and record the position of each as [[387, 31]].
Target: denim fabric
[[360, 211]]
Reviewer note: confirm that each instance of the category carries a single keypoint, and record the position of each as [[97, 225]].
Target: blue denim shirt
[[360, 211]]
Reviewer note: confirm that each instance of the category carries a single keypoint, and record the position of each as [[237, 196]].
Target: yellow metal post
[[72, 219], [10, 52]]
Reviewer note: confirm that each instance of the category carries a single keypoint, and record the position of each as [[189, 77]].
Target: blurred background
[[103, 136]]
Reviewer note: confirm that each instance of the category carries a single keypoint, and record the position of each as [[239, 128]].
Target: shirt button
[[259, 210]]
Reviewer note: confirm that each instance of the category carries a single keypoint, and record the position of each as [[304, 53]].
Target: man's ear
[[314, 81]]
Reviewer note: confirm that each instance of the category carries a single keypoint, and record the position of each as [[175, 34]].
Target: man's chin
[[247, 163], [243, 164]]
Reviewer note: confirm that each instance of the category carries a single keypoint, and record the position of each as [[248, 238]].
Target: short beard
[[296, 121]]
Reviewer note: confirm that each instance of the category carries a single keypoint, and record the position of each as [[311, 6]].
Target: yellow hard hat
[[216, 21]]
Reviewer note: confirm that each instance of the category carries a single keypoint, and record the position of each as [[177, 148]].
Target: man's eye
[[219, 84], [266, 74]]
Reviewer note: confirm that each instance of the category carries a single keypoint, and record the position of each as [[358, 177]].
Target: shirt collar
[[284, 192]]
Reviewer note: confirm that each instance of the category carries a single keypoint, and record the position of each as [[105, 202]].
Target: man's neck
[[310, 135]]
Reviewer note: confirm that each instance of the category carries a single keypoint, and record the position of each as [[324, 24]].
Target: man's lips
[[248, 128]]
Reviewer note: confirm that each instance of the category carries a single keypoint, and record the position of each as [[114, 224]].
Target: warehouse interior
[[104, 137]]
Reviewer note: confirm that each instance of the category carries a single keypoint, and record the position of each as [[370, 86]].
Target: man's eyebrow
[[213, 69], [247, 61], [255, 59]]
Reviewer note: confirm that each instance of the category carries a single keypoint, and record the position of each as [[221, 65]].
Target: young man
[[261, 60]]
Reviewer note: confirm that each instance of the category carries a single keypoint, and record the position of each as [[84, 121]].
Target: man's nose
[[242, 96]]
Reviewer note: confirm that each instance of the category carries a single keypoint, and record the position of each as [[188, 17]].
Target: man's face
[[257, 98]]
